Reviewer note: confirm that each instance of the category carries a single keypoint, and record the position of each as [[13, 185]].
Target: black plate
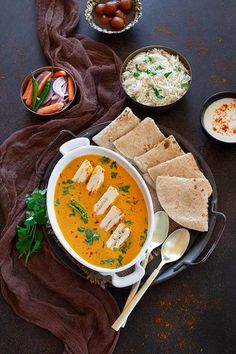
[[198, 240]]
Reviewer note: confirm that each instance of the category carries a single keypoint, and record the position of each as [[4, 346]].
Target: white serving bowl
[[81, 147]]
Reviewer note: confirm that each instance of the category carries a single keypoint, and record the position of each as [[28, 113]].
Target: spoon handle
[[127, 311], [135, 287]]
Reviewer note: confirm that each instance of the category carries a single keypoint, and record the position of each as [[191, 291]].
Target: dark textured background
[[195, 312]]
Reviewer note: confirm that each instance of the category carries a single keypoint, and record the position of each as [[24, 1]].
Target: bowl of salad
[[48, 91], [156, 77]]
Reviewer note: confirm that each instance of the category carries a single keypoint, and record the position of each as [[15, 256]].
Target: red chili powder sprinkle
[[223, 118], [158, 320], [181, 344]]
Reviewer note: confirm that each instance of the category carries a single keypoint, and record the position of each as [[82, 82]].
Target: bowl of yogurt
[[218, 117]]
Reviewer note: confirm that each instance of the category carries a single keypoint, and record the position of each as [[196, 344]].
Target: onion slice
[[60, 86]]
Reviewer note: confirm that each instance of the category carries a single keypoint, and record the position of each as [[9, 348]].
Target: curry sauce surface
[[130, 201]]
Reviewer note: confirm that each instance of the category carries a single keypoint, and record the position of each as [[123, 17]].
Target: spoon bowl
[[172, 249], [161, 229], [175, 245]]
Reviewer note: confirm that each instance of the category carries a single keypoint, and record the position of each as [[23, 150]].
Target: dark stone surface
[[195, 312]]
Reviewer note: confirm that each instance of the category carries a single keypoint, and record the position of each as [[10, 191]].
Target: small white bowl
[[81, 147]]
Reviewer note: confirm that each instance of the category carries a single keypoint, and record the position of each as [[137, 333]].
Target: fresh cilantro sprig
[[90, 235], [29, 236]]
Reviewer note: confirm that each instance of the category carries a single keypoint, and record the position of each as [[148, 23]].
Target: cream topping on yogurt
[[220, 119]]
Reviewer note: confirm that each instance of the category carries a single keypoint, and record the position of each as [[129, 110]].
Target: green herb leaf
[[29, 237], [113, 165], [159, 67], [136, 74], [119, 260], [178, 69], [104, 160], [157, 93], [124, 188], [168, 74], [137, 68], [143, 238], [185, 85], [113, 174], [57, 202], [90, 235], [69, 181], [148, 71], [107, 261], [124, 247], [66, 189], [128, 222], [148, 59]]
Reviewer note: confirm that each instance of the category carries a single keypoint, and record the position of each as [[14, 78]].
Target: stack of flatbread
[[182, 189]]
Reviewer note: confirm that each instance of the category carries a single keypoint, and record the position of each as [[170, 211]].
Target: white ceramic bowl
[[79, 147]]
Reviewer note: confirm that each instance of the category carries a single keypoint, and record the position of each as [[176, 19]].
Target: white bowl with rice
[[156, 77]]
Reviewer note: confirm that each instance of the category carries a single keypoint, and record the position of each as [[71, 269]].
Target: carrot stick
[[28, 101], [59, 73], [71, 89], [51, 109], [43, 83], [27, 90]]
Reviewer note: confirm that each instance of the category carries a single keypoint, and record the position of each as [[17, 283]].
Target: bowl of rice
[[156, 77]]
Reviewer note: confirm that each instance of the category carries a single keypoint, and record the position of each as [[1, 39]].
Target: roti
[[142, 138], [125, 122], [166, 150], [185, 200], [181, 166]]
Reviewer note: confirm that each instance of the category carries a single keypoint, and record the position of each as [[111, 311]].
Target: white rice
[[155, 78]]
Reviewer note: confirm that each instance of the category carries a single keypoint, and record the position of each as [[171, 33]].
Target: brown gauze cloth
[[45, 292]]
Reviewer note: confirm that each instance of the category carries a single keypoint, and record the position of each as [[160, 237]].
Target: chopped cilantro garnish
[[66, 189], [113, 260], [148, 59], [128, 222], [185, 85], [124, 188], [119, 261], [168, 74], [113, 165], [136, 74], [57, 202], [148, 71], [104, 160], [124, 247], [137, 68], [113, 174], [143, 238], [159, 67], [90, 235], [69, 181], [178, 69]]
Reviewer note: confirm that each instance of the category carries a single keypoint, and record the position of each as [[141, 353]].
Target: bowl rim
[[170, 51], [89, 13], [97, 150], [38, 71], [216, 96]]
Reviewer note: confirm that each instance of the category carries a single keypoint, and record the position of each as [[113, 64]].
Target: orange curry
[[88, 240]]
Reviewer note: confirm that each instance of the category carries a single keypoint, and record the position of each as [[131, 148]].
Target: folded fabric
[[45, 292]]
